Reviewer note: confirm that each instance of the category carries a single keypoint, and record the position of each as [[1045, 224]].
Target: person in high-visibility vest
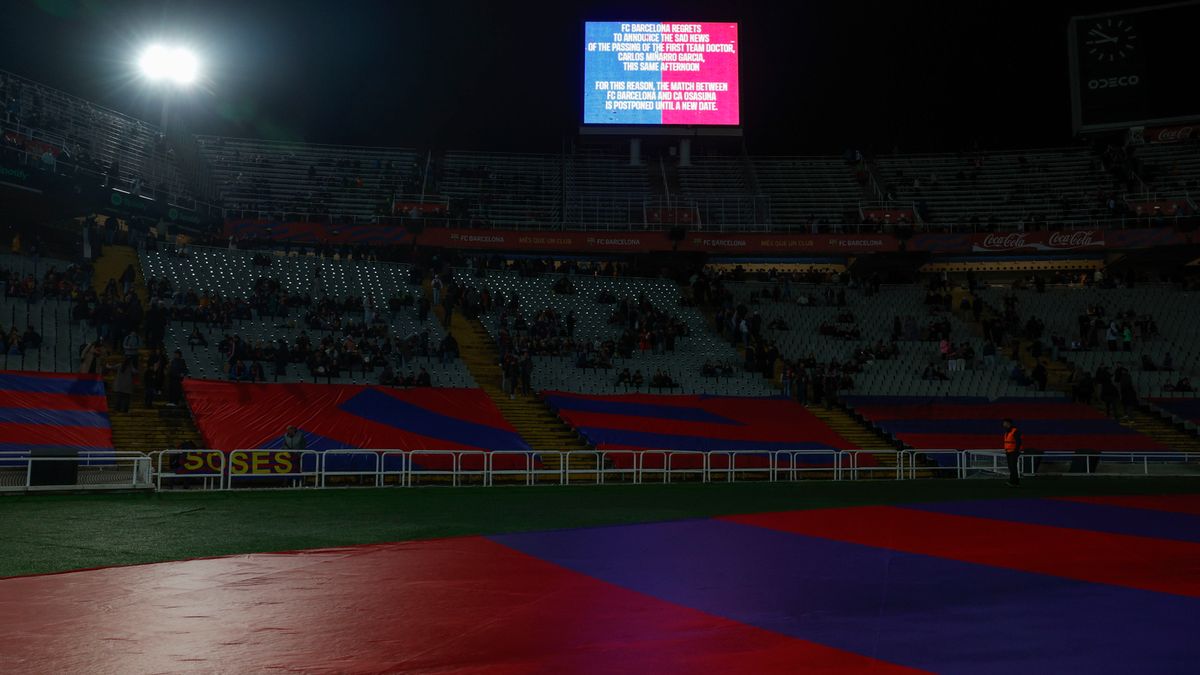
[[1012, 451]]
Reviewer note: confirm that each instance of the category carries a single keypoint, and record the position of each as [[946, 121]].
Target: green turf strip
[[51, 533]]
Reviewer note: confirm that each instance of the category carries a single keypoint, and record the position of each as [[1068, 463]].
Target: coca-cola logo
[[1173, 134], [1004, 241], [1078, 239]]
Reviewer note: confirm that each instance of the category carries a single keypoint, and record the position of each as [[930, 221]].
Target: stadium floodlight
[[176, 65]]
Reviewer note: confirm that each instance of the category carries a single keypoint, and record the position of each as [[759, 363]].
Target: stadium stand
[[133, 154], [46, 328], [808, 192], [604, 191], [370, 318], [505, 189], [979, 190], [307, 180], [1161, 321], [604, 342], [722, 189], [1169, 170], [597, 341], [860, 336]]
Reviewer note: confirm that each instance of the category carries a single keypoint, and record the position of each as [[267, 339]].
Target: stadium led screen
[[669, 73]]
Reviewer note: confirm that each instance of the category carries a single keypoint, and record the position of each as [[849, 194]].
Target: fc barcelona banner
[[53, 410], [234, 416]]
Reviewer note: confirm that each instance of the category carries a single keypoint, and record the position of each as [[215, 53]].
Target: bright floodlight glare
[[175, 64]]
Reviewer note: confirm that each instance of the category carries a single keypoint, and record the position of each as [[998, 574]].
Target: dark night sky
[[817, 76]]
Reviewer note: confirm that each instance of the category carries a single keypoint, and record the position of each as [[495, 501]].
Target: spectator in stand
[[1112, 335], [525, 364], [123, 384], [131, 344], [176, 370], [638, 380], [423, 379], [196, 338], [387, 377], [154, 374], [31, 339], [1040, 375], [989, 354], [293, 439], [1128, 394], [661, 380], [1183, 385], [1110, 393], [1018, 375], [90, 358], [238, 372]]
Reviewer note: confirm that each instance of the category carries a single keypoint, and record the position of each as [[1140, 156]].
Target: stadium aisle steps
[[151, 429], [858, 433], [112, 263], [532, 419], [710, 321], [1162, 430], [141, 429]]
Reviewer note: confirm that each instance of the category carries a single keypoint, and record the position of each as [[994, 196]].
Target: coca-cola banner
[[1074, 240], [1175, 134]]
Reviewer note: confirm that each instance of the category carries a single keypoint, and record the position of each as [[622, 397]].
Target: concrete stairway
[[112, 263], [141, 429], [861, 437], [532, 418], [848, 427]]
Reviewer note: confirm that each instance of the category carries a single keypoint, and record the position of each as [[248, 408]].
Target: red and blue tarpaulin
[[695, 423], [986, 586], [234, 416], [1184, 408], [53, 411], [973, 423]]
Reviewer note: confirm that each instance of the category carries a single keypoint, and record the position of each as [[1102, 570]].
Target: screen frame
[[602, 129], [1077, 125]]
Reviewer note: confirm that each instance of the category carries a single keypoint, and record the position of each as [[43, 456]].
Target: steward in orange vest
[[1012, 452]]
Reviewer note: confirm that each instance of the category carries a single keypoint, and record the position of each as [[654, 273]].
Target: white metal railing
[[856, 468], [370, 458], [21, 471], [215, 470], [183, 467], [910, 461], [274, 468]]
